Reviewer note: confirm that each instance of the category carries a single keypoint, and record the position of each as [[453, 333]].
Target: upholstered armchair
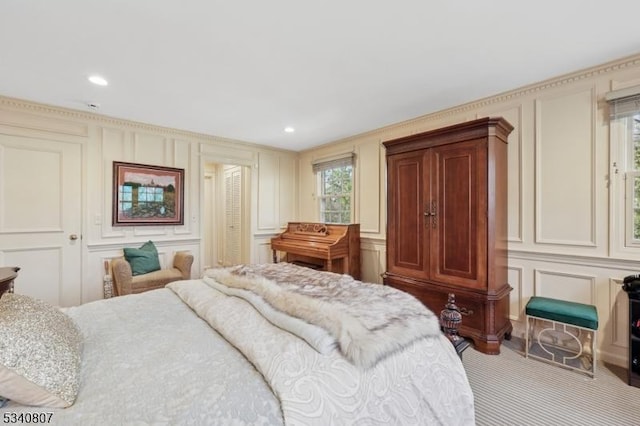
[[124, 282]]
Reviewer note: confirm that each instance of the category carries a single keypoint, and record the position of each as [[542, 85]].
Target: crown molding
[[73, 114], [392, 130]]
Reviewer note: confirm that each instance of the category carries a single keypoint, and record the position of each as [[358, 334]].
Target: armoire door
[[459, 226], [408, 254]]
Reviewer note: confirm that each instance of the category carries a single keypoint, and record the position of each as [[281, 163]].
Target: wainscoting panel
[[149, 149], [268, 193], [372, 260], [148, 231], [564, 141], [263, 252], [367, 182], [565, 286], [287, 190], [516, 307], [184, 158], [370, 265], [619, 315], [112, 148]]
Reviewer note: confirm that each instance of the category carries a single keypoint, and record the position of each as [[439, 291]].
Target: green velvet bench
[[570, 318]]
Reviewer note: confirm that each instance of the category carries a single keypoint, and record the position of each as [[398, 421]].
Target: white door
[[233, 222], [40, 216]]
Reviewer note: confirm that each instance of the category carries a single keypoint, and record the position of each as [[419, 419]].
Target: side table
[[7, 275]]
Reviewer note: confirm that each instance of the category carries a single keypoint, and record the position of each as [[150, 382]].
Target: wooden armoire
[[447, 224]]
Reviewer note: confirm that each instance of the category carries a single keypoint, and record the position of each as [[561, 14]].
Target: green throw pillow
[[143, 260]]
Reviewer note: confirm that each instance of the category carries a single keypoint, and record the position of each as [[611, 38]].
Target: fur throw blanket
[[367, 321]]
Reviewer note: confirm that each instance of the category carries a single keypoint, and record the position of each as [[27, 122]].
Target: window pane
[[346, 204], [333, 204]]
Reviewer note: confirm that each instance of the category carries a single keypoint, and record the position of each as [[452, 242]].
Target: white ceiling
[[245, 69]]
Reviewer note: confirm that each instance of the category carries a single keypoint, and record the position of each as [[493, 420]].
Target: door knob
[[73, 237]]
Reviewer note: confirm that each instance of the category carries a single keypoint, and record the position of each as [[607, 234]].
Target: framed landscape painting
[[147, 195]]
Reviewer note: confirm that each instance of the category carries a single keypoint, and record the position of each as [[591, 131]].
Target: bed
[[256, 345]]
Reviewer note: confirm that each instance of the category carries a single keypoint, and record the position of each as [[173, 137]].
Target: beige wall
[[559, 238], [103, 140]]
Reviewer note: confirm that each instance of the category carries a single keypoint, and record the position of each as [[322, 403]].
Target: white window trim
[[621, 241], [325, 163], [629, 212]]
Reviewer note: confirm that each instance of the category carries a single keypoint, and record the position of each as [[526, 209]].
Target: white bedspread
[[424, 384]]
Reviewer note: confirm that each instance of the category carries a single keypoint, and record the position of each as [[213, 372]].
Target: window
[[625, 167], [335, 188], [632, 177]]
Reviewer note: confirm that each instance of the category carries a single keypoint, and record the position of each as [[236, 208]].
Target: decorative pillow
[[143, 260], [40, 352]]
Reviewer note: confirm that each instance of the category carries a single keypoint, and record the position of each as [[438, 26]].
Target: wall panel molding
[[263, 252], [558, 148], [568, 259], [149, 148], [268, 192], [619, 314], [183, 159], [367, 172], [166, 242], [112, 147], [565, 286], [372, 266], [516, 297]]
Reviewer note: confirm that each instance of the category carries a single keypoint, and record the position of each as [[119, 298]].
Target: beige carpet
[[512, 390]]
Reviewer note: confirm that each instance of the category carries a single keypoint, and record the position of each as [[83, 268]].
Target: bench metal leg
[[529, 340]]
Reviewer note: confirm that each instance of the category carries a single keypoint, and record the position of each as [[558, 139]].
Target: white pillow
[[40, 352]]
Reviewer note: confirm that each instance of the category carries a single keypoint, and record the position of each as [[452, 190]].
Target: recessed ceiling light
[[289, 129], [100, 81]]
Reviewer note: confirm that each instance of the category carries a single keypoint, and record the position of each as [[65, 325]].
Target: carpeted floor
[[512, 390]]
